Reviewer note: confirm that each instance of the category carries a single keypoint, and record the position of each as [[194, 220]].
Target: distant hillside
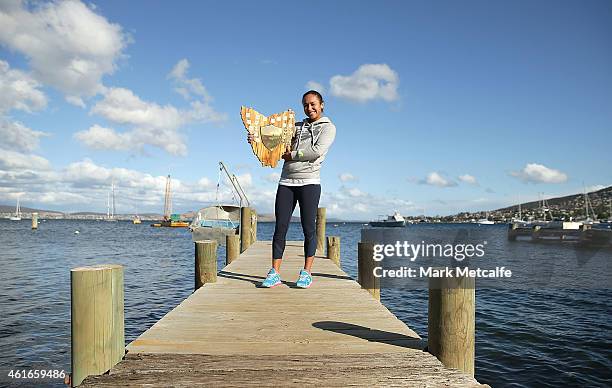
[[11, 209], [599, 200]]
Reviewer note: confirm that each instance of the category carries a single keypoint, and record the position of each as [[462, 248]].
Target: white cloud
[[592, 188], [86, 172], [67, 45], [436, 179], [190, 88], [152, 124], [205, 183], [15, 161], [347, 177], [467, 178], [55, 198], [187, 86], [245, 180], [313, 85], [19, 90], [273, 177], [135, 140], [361, 207], [103, 138], [353, 202], [84, 185], [368, 82], [538, 173], [17, 136], [355, 192], [203, 112], [122, 106]]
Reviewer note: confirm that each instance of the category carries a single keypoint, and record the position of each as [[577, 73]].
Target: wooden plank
[[233, 333], [364, 370]]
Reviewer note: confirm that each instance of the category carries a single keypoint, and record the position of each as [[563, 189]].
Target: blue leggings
[[286, 199]]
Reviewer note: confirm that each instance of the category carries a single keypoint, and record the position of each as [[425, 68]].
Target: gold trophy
[[271, 135]]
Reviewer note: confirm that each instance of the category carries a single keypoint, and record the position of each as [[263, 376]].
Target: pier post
[[365, 269], [245, 228], [451, 321], [333, 249], [97, 320], [232, 248], [253, 226], [321, 220], [205, 262], [512, 231], [34, 220]]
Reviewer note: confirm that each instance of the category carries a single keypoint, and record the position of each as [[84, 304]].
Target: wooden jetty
[[233, 333]]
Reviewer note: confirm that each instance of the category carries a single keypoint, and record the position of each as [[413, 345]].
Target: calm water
[[545, 337]]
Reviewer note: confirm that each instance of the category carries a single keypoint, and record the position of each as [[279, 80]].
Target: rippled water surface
[[534, 337]]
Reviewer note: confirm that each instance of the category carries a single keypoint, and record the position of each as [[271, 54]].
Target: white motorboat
[[396, 220]]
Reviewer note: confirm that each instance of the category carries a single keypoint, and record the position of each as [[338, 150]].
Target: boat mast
[[586, 204], [168, 199], [107, 205], [113, 191]]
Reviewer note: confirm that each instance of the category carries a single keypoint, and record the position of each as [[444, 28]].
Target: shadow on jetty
[[372, 335]]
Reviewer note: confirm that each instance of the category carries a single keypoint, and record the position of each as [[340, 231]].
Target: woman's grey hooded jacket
[[308, 149]]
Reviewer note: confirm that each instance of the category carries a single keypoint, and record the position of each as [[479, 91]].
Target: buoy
[[76, 232]]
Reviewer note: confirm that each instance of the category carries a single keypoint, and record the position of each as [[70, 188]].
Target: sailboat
[[17, 216], [587, 205], [110, 205], [519, 220]]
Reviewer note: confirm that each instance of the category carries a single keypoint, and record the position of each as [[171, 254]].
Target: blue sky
[[439, 106]]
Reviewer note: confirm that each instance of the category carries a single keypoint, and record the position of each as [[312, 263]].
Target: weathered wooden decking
[[233, 333]]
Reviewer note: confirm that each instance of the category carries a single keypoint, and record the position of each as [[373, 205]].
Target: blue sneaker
[[272, 280], [305, 279]]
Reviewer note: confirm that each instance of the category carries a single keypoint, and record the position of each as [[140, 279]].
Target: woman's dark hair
[[319, 96]]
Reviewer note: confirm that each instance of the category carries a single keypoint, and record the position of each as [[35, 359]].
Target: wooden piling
[[321, 219], [245, 228], [512, 231], [232, 248], [97, 320], [205, 262], [333, 249], [253, 226], [365, 269], [34, 220], [451, 321]]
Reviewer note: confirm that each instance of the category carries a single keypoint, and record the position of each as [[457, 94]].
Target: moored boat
[[396, 220], [215, 222], [17, 216]]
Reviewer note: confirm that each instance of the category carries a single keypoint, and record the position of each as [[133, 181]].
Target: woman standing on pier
[[300, 182]]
